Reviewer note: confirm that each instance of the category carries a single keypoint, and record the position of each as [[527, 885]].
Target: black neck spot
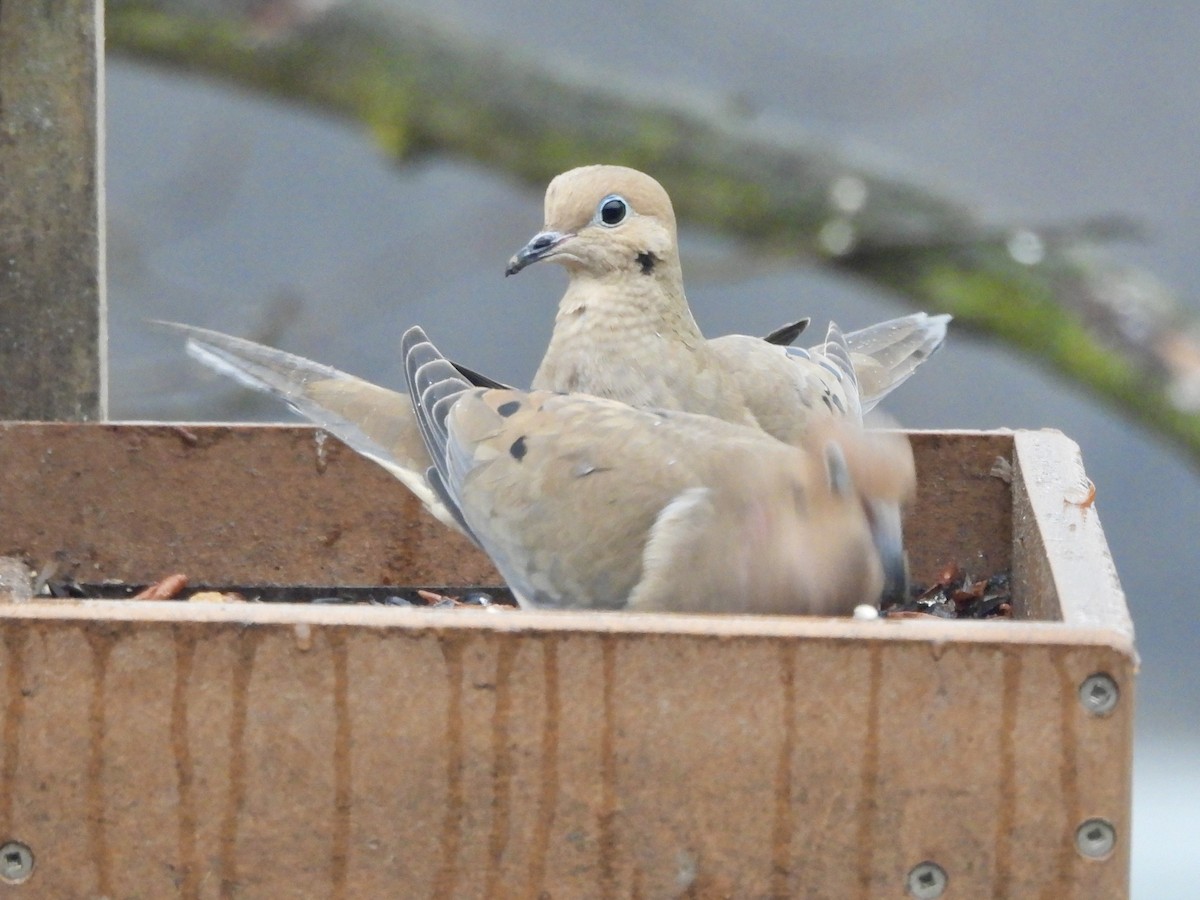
[[518, 449], [647, 261], [507, 409]]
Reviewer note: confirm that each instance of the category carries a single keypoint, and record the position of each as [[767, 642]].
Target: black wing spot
[[647, 261], [518, 449], [507, 409]]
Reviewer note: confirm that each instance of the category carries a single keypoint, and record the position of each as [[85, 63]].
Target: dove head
[[603, 221]]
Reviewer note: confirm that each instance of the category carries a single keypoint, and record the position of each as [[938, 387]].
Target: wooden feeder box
[[276, 750]]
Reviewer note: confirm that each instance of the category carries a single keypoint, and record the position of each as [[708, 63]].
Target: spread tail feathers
[[373, 420], [887, 353]]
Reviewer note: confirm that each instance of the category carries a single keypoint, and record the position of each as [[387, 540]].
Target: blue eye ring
[[613, 210]]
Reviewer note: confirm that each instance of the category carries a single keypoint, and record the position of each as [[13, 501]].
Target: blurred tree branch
[[421, 88]]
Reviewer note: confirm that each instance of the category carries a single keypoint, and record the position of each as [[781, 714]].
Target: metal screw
[[927, 881], [1095, 838], [16, 862], [1099, 694]]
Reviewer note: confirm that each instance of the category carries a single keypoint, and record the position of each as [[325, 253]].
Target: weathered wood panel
[[383, 752], [1066, 571]]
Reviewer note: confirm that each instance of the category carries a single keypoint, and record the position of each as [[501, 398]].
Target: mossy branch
[[419, 88]]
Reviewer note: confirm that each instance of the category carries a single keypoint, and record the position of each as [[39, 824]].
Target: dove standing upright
[[590, 503], [624, 329]]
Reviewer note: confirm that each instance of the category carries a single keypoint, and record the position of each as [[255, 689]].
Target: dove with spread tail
[[584, 502], [624, 329]]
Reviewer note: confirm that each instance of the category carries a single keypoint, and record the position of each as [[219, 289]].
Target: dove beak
[[888, 534], [540, 246]]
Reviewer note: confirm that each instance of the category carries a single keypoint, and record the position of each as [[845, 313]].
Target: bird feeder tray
[[157, 748]]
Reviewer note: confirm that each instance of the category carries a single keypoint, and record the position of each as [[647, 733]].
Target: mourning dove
[[624, 329], [590, 503]]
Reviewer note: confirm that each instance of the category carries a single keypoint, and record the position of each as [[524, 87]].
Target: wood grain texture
[[974, 753]]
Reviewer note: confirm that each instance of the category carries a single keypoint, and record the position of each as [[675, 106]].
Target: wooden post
[[52, 303]]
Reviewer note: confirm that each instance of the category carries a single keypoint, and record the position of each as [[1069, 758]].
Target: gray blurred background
[[244, 214]]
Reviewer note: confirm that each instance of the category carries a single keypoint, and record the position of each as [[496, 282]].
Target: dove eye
[[613, 210]]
